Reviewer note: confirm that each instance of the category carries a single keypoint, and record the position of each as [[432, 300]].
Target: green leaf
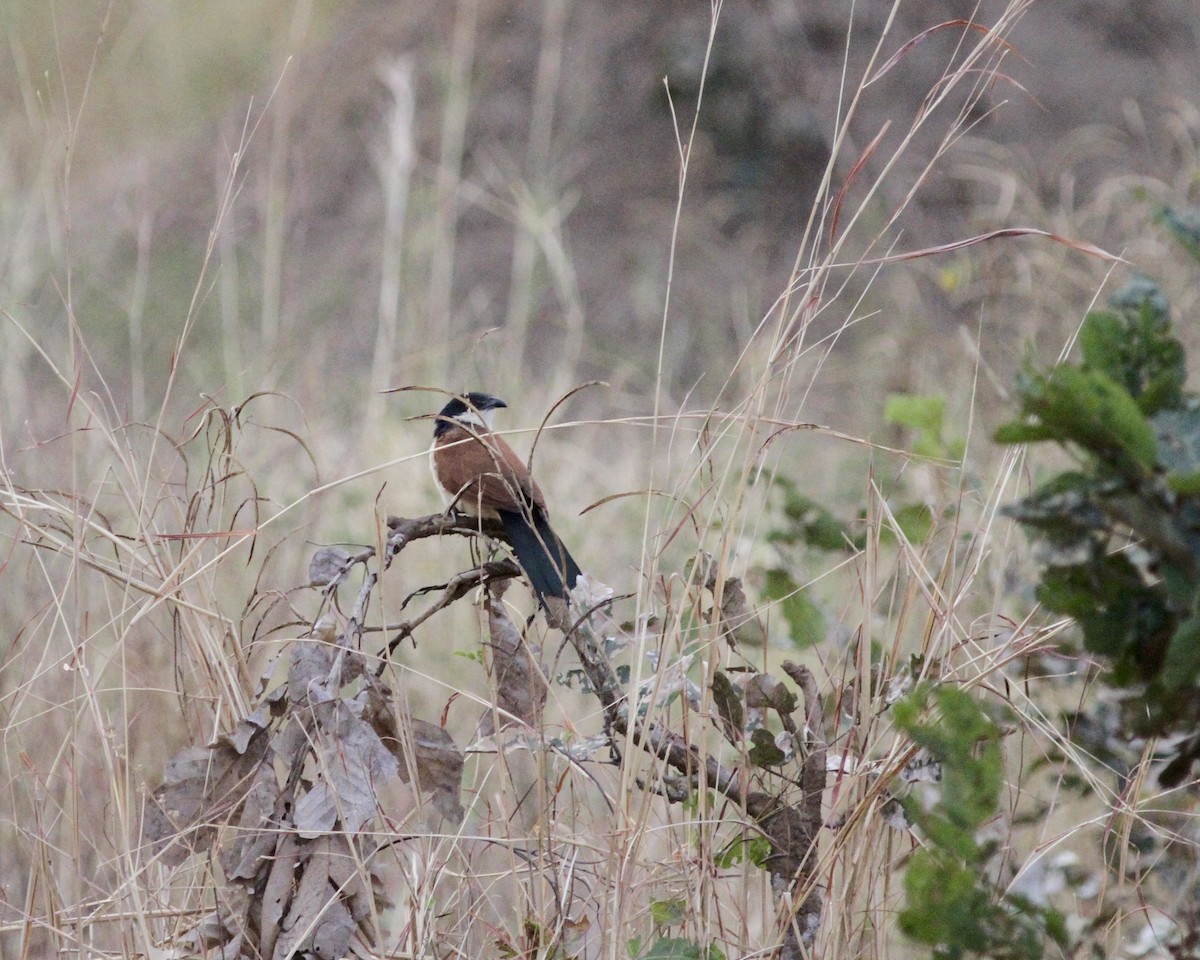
[[946, 906], [1179, 585], [1184, 484], [916, 411], [1100, 342], [806, 623], [1181, 666], [1178, 435], [1121, 618], [951, 903], [1018, 432], [1089, 408], [1056, 929], [754, 849], [966, 743], [1065, 514], [1134, 347], [1142, 296], [915, 521], [677, 948], [924, 414], [813, 524], [667, 913]]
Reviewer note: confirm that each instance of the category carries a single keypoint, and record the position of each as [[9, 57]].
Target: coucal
[[484, 476]]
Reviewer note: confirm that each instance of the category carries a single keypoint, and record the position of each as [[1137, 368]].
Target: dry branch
[[303, 850], [300, 863], [791, 828]]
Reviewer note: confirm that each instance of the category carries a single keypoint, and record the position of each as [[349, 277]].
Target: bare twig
[[455, 589], [403, 530]]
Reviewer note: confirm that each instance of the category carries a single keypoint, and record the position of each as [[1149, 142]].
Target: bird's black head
[[468, 408]]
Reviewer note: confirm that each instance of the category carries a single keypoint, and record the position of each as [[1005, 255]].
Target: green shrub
[[1120, 532]]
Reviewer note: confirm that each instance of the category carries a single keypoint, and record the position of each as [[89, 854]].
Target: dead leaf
[[439, 767], [515, 667], [316, 811], [763, 690], [202, 787], [318, 922], [346, 874], [353, 763], [278, 892], [739, 620], [254, 839], [310, 663], [329, 567], [728, 700]]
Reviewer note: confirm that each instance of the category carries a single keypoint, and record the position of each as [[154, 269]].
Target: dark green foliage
[[950, 904], [806, 623], [1121, 532], [666, 913], [915, 522], [1087, 408], [967, 745], [754, 849], [809, 523], [805, 524], [674, 948], [1121, 617], [763, 751], [1134, 348]]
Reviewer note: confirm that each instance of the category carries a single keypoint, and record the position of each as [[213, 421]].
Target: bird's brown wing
[[482, 471]]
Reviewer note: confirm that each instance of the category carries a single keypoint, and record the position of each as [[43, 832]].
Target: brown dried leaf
[[255, 838], [310, 663], [346, 873], [515, 666], [316, 811], [439, 762], [318, 922], [329, 567], [439, 767], [213, 932], [376, 710], [739, 619], [353, 762], [202, 787], [245, 731], [278, 892], [763, 690], [792, 835]]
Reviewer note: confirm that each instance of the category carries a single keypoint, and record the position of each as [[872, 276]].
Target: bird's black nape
[[475, 400]]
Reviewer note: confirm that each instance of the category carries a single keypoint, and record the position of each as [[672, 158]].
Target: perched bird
[[483, 476]]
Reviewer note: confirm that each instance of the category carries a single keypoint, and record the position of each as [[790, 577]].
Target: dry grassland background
[[226, 227]]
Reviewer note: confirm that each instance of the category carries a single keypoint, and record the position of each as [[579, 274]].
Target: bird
[[483, 476]]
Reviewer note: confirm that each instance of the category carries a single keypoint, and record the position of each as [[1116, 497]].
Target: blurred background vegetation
[[433, 174], [311, 201]]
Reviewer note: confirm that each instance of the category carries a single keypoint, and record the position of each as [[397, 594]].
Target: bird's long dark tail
[[547, 563]]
